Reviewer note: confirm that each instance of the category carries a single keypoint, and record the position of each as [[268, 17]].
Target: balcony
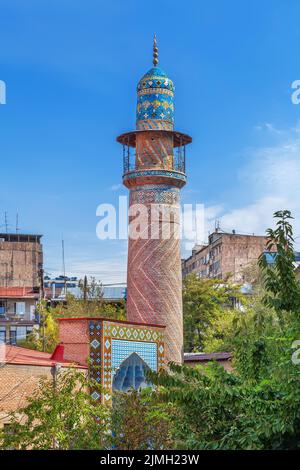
[[150, 161]]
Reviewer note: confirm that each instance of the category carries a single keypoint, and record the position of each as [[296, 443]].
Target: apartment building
[[21, 270], [225, 253]]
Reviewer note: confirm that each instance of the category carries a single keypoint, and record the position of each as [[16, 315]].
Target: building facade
[[118, 353], [154, 173], [21, 264], [225, 254]]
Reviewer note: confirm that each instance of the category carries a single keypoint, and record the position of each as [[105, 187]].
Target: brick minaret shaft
[[154, 178]]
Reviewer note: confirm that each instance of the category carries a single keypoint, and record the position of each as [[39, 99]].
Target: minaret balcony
[[159, 160]]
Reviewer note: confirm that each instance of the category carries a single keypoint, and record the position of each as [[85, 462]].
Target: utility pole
[[42, 288], [64, 265], [85, 288], [5, 222]]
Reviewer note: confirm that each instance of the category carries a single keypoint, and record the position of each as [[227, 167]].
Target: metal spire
[[155, 51]]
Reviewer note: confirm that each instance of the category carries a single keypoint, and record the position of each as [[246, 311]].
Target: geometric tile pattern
[[156, 173], [160, 195], [111, 342], [155, 107], [123, 349]]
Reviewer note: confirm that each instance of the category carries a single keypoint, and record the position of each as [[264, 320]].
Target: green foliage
[[44, 337], [220, 334], [220, 410], [138, 422], [282, 288], [60, 415], [204, 300], [257, 405], [91, 303]]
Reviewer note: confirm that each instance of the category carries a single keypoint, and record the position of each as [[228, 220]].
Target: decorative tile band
[[131, 332], [163, 173], [155, 195], [154, 124]]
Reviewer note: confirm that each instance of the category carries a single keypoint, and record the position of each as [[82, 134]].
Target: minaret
[[154, 172]]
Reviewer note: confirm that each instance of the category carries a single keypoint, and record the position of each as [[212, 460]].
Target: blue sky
[[71, 69]]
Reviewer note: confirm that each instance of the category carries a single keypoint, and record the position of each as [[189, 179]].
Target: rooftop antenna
[[63, 263], [155, 51], [17, 222], [5, 222]]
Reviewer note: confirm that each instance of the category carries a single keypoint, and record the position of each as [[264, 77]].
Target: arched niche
[[131, 374]]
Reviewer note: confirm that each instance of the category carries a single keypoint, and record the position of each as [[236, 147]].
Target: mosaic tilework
[[155, 78], [131, 332], [163, 173], [112, 342], [155, 107], [95, 356], [158, 106], [157, 195], [154, 124], [123, 349]]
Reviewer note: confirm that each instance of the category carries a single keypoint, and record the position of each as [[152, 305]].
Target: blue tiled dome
[[155, 78], [155, 107]]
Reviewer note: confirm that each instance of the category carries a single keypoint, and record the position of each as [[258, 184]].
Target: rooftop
[[20, 237], [111, 320], [204, 357], [18, 292], [23, 356]]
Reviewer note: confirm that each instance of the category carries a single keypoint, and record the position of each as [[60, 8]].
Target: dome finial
[[155, 51]]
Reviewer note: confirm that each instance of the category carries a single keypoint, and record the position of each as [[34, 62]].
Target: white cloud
[[272, 178], [115, 187]]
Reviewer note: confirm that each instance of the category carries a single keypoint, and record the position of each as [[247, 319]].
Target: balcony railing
[[174, 163]]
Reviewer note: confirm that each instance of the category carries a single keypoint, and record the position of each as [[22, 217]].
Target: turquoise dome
[[155, 107], [155, 78]]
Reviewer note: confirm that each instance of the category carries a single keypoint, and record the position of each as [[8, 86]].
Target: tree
[[45, 337], [282, 288], [203, 301], [91, 303], [257, 406], [138, 422], [60, 415], [220, 410]]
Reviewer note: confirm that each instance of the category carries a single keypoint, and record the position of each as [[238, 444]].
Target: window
[[13, 335], [2, 307], [19, 333], [2, 334], [20, 308]]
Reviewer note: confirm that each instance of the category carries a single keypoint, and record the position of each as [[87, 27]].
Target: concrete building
[[225, 254], [21, 259], [21, 263]]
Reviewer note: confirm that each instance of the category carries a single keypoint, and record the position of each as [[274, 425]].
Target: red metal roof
[[23, 356], [18, 292]]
